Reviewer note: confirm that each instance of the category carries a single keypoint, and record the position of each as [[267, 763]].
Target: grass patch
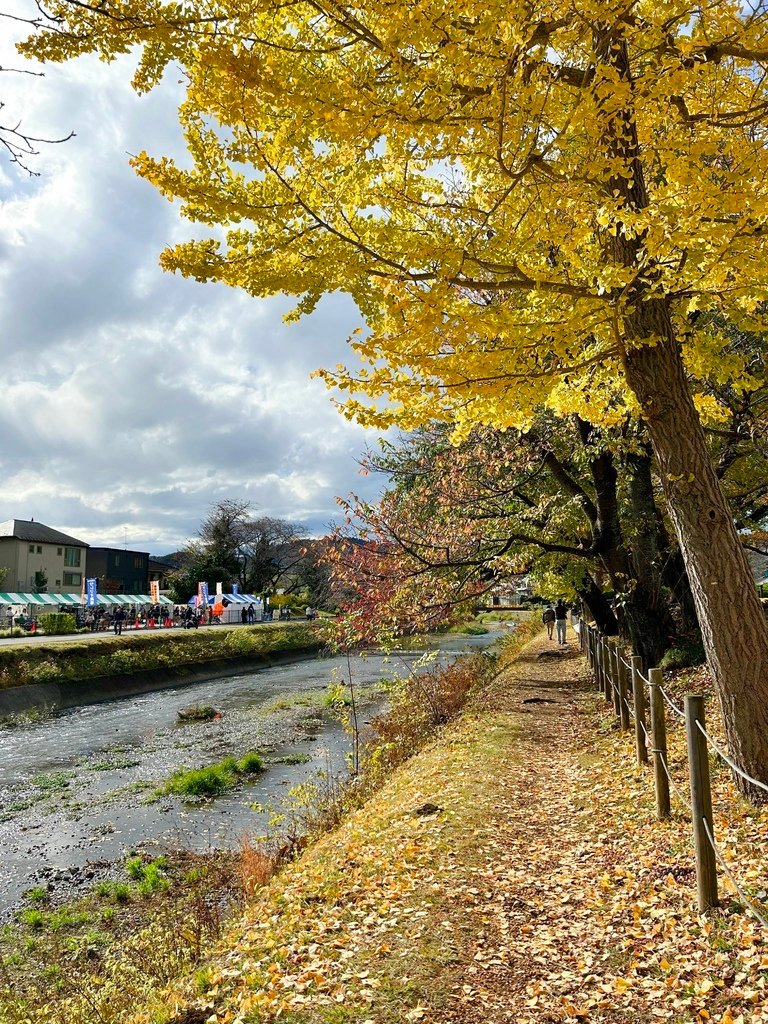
[[86, 961], [52, 782], [214, 779], [288, 759], [113, 764]]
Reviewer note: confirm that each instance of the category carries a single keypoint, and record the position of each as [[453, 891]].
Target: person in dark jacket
[[561, 620]]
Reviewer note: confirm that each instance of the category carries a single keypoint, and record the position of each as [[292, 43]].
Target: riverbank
[[63, 675], [94, 923], [513, 870]]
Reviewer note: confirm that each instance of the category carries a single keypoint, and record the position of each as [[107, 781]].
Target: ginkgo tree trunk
[[598, 171]]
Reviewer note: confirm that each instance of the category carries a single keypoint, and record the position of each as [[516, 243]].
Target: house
[[509, 593], [160, 570], [41, 559], [118, 571]]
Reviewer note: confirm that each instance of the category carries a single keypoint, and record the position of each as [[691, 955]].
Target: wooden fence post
[[615, 672], [638, 698], [701, 804], [599, 662], [623, 703], [659, 736], [607, 671]]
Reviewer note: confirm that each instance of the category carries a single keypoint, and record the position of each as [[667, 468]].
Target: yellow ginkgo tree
[[531, 204]]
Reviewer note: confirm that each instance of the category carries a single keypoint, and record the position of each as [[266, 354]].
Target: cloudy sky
[[131, 400]]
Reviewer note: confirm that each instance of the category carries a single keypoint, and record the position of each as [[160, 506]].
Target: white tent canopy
[[75, 600]]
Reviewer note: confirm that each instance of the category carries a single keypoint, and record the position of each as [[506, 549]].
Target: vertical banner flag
[[218, 589], [235, 588], [91, 591], [202, 594], [154, 591]]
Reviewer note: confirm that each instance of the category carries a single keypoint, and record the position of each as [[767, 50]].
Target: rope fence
[[639, 700]]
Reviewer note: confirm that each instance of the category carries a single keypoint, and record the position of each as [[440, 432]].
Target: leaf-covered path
[[509, 872]]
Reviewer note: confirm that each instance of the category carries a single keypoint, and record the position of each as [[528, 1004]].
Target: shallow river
[[78, 789]]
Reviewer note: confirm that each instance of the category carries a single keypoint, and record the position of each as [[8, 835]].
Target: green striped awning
[[12, 597]]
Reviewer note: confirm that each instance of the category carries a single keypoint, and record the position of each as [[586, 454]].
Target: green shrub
[[32, 917], [250, 764], [154, 880], [210, 781], [134, 866], [687, 651], [116, 892], [57, 623], [215, 779], [43, 671], [37, 894], [107, 655]]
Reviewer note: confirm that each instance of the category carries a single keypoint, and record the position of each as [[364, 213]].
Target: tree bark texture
[[598, 606], [733, 624], [645, 620]]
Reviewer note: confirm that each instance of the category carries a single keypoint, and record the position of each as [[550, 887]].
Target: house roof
[[758, 563], [164, 564], [22, 529], [96, 549]]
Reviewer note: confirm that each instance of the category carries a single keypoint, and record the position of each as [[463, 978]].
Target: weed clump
[[213, 780], [198, 713]]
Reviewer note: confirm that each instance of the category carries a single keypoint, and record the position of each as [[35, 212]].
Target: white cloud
[[132, 399]]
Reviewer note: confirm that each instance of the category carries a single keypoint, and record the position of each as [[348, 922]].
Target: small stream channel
[[78, 789]]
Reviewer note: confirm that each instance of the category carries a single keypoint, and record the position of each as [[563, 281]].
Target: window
[[58, 551], [39, 549], [73, 579], [58, 583], [137, 561], [117, 559], [31, 549], [71, 556]]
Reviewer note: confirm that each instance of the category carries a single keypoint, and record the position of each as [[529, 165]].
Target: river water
[[79, 789]]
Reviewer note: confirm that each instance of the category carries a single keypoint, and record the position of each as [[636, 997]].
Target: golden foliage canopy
[[465, 172]]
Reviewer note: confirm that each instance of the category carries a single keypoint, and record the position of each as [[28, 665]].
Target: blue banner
[[235, 588], [91, 593], [202, 595]]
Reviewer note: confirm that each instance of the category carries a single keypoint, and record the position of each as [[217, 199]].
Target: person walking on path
[[561, 620], [548, 618]]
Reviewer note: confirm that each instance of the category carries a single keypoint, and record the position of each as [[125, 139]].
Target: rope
[[680, 713], [629, 709], [663, 758], [728, 761], [731, 878]]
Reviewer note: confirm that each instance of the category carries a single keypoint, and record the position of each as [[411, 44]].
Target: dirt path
[[537, 953]]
